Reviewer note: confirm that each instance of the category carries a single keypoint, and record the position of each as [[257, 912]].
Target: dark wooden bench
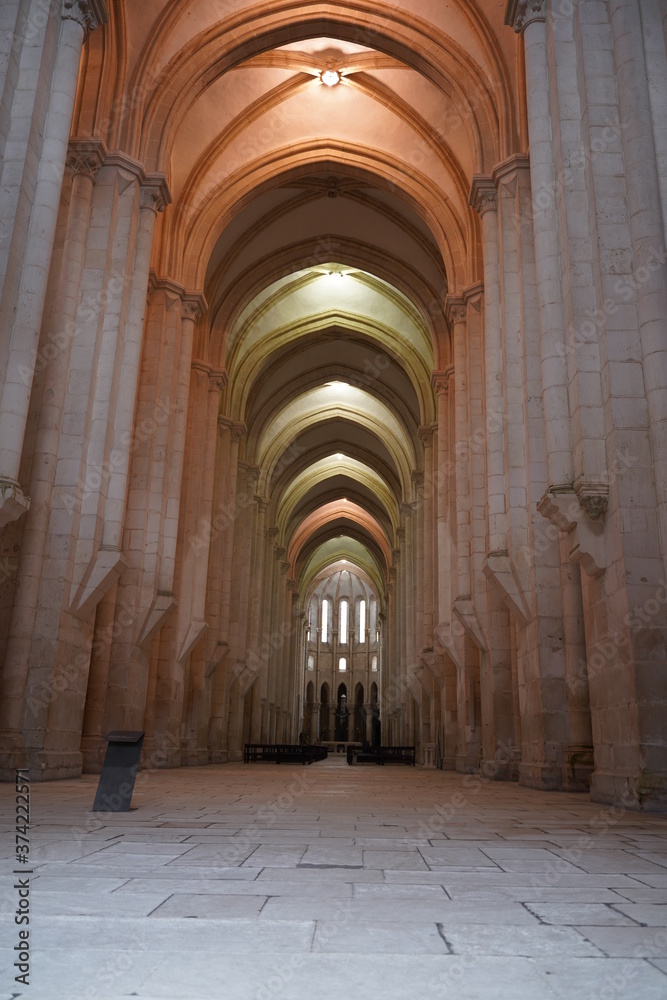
[[381, 755], [284, 753]]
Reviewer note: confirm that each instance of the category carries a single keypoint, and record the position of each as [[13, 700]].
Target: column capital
[[238, 431], [440, 381], [90, 14], [86, 156], [262, 503], [217, 380], [194, 305], [506, 172], [155, 194], [472, 295], [520, 13], [272, 532], [483, 196], [252, 475], [171, 288], [425, 433], [455, 309]]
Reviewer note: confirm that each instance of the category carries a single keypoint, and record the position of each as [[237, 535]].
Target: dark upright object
[[119, 771]]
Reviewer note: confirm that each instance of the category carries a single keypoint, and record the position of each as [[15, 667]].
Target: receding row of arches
[[327, 720]]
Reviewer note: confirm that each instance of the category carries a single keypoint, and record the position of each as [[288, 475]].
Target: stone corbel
[[244, 675], [498, 568], [12, 502], [464, 610], [433, 664], [593, 496], [159, 611], [216, 654], [443, 636], [196, 631], [103, 571], [564, 508]]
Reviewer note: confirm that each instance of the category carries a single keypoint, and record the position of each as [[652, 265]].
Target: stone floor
[[249, 882]]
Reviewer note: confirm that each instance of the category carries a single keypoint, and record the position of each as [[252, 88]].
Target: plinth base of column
[[13, 503], [43, 765], [545, 777], [93, 749], [579, 768], [643, 792], [218, 756], [498, 770], [234, 756], [195, 757], [170, 758], [467, 763]]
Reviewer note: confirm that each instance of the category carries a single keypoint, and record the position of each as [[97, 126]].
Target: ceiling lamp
[[330, 77]]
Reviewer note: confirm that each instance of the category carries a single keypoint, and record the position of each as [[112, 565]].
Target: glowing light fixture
[[330, 77]]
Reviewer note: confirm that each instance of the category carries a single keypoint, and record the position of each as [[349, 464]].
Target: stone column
[[484, 198], [98, 551], [193, 306], [456, 315], [429, 576], [647, 230], [79, 18], [259, 550], [528, 17], [84, 161], [154, 197]]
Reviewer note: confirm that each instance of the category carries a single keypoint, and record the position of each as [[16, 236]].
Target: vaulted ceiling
[[324, 224]]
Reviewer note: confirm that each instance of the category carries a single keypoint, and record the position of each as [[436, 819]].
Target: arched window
[[311, 662], [343, 622], [362, 621], [374, 664], [342, 665], [325, 621]]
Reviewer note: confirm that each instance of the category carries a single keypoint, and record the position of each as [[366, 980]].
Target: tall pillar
[[52, 384], [79, 17], [529, 18], [456, 315], [647, 230]]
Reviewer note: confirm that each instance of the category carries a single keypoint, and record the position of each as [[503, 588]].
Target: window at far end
[[342, 665], [311, 662], [362, 621], [343, 622], [374, 664], [325, 621]]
